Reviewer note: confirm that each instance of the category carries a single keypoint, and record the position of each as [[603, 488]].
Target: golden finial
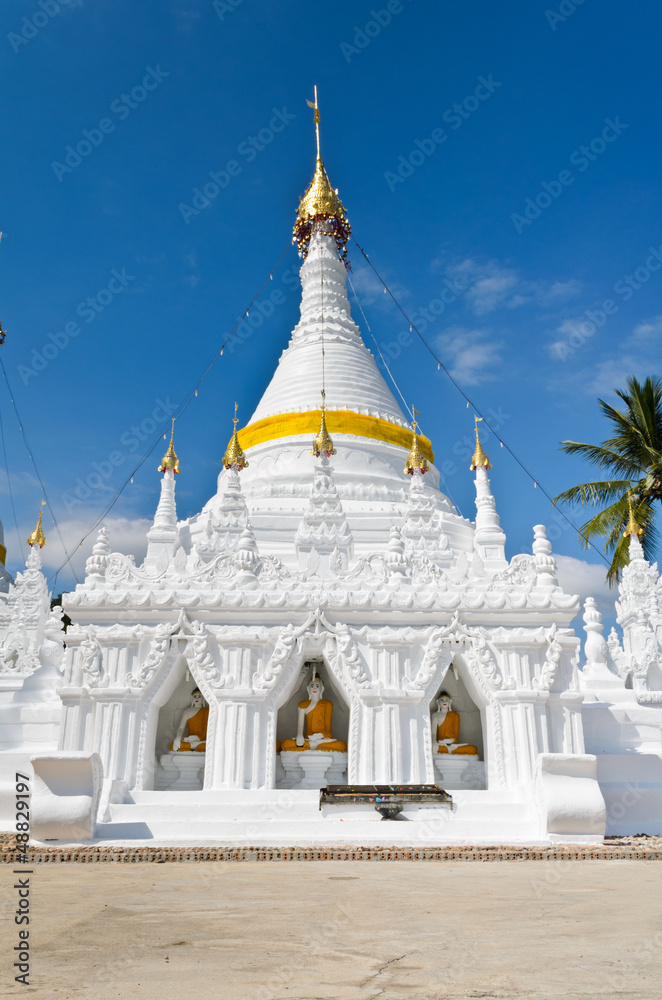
[[234, 457], [633, 528], [322, 443], [170, 460], [37, 537], [415, 459], [313, 104], [321, 204], [479, 459]]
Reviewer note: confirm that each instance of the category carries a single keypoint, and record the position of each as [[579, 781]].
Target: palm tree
[[634, 454]]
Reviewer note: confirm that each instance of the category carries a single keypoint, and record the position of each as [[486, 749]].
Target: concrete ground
[[341, 931]]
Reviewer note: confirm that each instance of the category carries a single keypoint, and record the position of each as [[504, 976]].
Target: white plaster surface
[[65, 795]]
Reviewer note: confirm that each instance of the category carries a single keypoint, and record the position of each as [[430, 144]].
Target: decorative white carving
[[199, 654], [91, 655], [336, 642], [159, 648], [323, 529], [551, 662], [96, 564], [471, 642], [26, 610]]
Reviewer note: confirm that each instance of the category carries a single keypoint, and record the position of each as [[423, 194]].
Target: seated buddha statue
[[446, 725], [195, 718], [314, 722]]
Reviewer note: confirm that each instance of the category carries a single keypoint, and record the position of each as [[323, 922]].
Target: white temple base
[[183, 771], [282, 817], [454, 771], [313, 768]]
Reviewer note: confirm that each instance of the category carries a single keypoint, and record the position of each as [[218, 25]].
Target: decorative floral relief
[[91, 654], [200, 654], [18, 658], [474, 648], [520, 573], [339, 648], [159, 648], [552, 660]]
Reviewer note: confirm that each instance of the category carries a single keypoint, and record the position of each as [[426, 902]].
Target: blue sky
[[443, 125]]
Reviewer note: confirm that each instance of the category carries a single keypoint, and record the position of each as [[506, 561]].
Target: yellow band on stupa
[[337, 421], [3, 554]]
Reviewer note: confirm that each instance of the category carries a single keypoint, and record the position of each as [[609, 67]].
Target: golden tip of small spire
[[633, 527], [170, 460], [37, 537], [415, 459], [322, 442], [234, 457], [479, 459]]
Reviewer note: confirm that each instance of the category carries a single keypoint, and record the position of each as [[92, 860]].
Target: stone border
[[133, 855]]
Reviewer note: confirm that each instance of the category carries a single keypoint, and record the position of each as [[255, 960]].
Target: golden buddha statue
[[446, 725], [195, 718], [315, 714]]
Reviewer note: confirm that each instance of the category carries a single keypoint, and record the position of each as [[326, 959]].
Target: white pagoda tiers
[[347, 569]]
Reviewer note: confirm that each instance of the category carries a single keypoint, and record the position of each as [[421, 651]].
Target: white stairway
[[281, 818]]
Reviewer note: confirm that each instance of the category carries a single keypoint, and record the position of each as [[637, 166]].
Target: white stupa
[[345, 625]]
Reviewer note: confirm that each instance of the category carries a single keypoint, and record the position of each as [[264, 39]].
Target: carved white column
[[95, 567], [489, 539], [545, 562], [162, 536]]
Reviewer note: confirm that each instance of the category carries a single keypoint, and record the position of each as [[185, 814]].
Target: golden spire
[[37, 537], [633, 528], [322, 443], [321, 204], [234, 457], [479, 459], [170, 460], [313, 104], [415, 459]]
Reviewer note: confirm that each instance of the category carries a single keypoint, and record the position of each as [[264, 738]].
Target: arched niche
[[177, 693], [457, 771], [471, 727], [286, 725]]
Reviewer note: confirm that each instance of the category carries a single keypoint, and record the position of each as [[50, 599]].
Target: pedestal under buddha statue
[[314, 722], [195, 719], [446, 726]]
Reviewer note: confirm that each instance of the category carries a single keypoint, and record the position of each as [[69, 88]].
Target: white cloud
[[577, 576], [610, 375], [21, 483], [469, 355], [369, 289], [573, 333], [489, 286], [127, 535], [638, 354], [646, 332], [560, 291]]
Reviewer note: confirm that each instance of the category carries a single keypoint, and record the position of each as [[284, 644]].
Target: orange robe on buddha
[[317, 721], [197, 726], [450, 730]]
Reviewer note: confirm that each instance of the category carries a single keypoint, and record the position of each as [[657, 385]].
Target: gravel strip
[[614, 849]]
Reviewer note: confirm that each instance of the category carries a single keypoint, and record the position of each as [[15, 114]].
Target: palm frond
[[607, 458], [634, 454], [594, 493]]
